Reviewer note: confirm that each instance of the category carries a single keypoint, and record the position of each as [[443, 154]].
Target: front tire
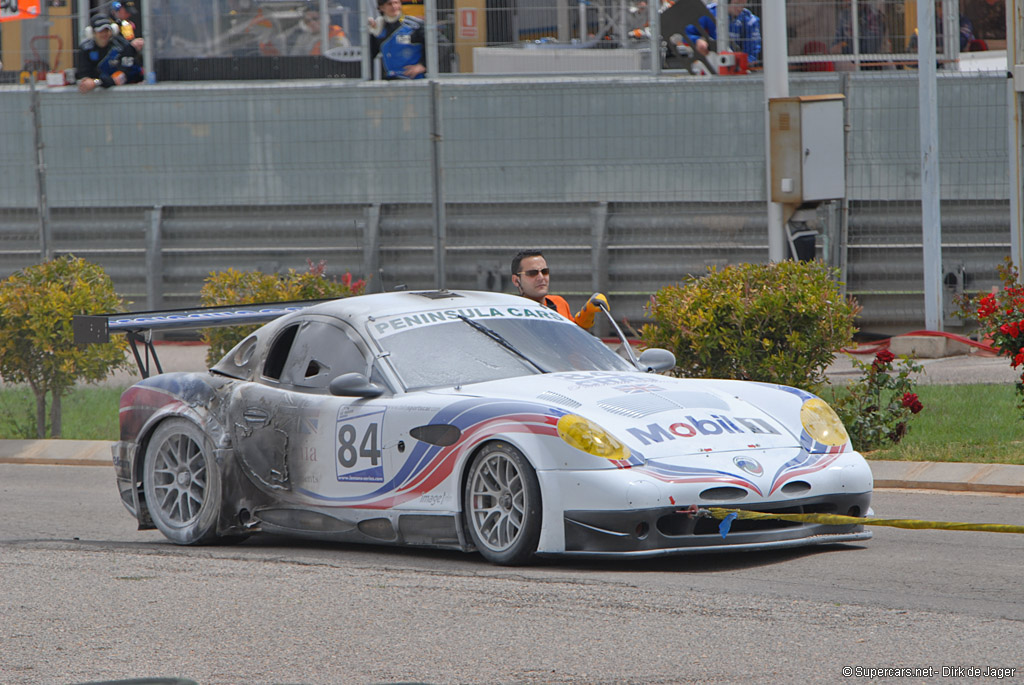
[[181, 482], [503, 505]]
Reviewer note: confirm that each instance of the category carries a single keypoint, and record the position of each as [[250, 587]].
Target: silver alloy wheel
[[498, 501], [179, 480]]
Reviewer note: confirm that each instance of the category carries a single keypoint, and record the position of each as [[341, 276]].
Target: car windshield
[[456, 353]]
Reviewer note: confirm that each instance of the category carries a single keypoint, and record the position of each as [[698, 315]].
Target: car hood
[[660, 417]]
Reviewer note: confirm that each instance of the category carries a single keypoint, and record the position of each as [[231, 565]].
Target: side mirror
[[354, 385], [656, 360]]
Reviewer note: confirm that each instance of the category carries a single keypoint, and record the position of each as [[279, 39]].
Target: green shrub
[[1000, 318], [37, 344], [777, 323], [876, 408], [252, 287]]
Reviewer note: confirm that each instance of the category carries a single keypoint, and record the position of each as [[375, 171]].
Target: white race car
[[472, 421]]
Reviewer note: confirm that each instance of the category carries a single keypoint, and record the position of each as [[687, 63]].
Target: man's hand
[[597, 301], [87, 84], [585, 317], [413, 70]]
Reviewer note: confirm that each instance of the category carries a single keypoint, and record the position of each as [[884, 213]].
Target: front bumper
[[673, 530]]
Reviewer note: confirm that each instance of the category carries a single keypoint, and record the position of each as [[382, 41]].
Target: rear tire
[[181, 482], [503, 505]]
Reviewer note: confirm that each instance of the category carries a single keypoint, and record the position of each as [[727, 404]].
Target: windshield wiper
[[501, 340]]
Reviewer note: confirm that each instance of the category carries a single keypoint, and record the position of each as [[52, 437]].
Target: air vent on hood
[[437, 294], [637, 406], [555, 398], [644, 404]]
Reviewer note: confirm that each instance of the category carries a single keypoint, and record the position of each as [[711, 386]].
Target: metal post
[[155, 260], [654, 23], [722, 28], [931, 217], [1015, 115], [371, 245], [149, 49], [855, 31], [45, 241], [440, 229], [325, 27], [599, 280], [364, 34], [430, 14], [776, 85]]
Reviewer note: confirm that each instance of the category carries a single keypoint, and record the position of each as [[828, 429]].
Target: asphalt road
[[84, 596]]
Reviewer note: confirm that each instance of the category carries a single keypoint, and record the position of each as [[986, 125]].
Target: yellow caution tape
[[837, 520]]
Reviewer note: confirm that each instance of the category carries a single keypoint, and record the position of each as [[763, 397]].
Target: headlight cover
[[822, 423], [587, 436]]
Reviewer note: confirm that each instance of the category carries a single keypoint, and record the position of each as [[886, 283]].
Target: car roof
[[406, 302]]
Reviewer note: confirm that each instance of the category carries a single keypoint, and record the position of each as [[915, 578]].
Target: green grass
[[87, 414], [965, 423]]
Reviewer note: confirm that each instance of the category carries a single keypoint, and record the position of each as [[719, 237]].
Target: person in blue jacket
[[744, 31], [399, 40], [106, 59]]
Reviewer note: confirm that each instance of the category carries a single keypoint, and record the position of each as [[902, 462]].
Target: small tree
[[36, 341], [252, 287], [777, 323]]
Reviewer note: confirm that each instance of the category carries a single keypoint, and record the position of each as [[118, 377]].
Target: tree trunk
[[40, 413], [55, 415]]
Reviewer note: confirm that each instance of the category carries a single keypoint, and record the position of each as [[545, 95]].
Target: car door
[[290, 434]]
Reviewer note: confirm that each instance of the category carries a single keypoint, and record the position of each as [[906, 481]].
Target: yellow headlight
[[821, 423], [591, 438]]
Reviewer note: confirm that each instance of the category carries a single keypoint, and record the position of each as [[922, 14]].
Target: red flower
[[987, 306], [911, 402], [882, 360]]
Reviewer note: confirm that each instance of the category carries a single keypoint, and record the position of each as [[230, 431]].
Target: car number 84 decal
[[357, 447]]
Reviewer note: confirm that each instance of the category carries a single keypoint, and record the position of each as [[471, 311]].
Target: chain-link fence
[[627, 184], [201, 40]]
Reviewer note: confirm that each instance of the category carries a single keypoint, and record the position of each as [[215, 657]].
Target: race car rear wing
[[139, 326]]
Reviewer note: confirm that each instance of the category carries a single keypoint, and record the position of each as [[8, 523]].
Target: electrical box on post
[[807, 149]]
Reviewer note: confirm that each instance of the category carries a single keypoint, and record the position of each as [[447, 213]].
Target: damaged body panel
[[472, 421]]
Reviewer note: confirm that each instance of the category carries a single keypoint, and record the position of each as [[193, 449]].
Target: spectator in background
[[120, 14], [304, 38], [988, 17], [966, 33], [744, 31], [399, 40], [870, 29], [106, 59]]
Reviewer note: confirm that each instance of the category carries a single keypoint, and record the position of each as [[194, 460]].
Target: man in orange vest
[[531, 276]]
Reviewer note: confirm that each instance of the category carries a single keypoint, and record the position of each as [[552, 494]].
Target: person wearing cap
[[120, 14], [532, 277], [399, 40], [106, 59]]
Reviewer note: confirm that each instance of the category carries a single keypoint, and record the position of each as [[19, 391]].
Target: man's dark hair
[[521, 255]]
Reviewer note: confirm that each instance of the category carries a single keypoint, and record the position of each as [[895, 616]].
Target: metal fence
[[628, 184], [199, 40]]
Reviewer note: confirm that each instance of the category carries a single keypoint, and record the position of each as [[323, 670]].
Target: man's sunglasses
[[533, 273]]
